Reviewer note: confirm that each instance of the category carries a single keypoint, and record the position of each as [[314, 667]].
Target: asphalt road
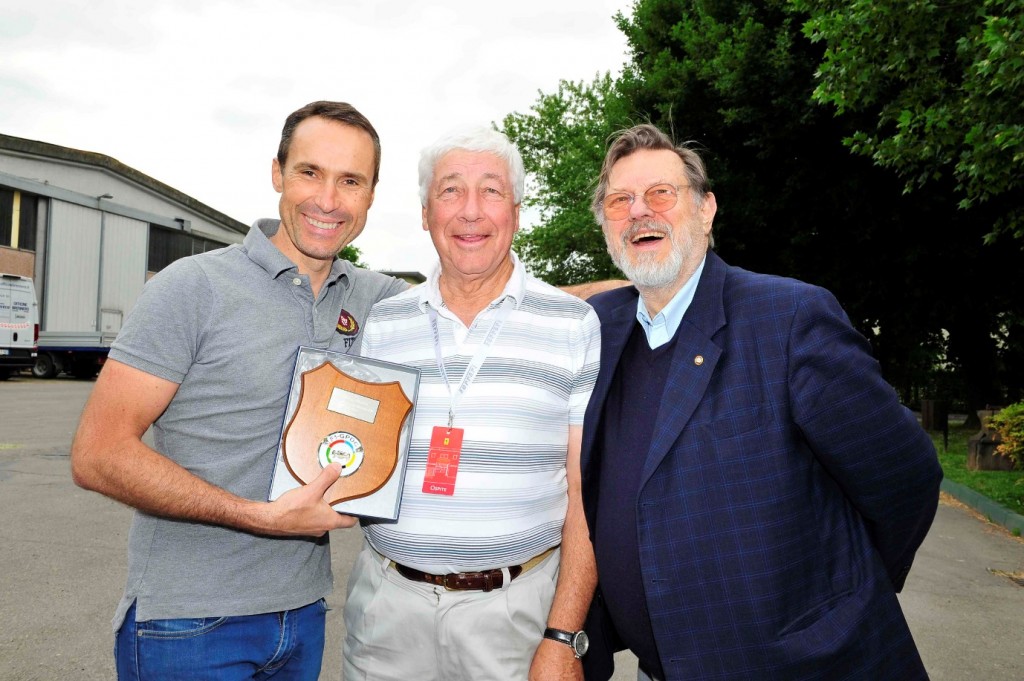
[[62, 565]]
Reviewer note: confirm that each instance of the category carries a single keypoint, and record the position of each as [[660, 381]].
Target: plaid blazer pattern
[[784, 495]]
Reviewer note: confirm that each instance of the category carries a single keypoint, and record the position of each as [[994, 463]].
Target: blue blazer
[[784, 494]]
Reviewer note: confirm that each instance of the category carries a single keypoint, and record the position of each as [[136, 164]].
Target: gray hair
[[482, 139], [646, 136]]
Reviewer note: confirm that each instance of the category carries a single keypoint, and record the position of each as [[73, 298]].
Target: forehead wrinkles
[[460, 175], [640, 187], [647, 166]]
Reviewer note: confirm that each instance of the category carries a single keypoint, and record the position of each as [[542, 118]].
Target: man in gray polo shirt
[[221, 583]]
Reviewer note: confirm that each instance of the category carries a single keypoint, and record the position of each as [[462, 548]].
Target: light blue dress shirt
[[663, 327]]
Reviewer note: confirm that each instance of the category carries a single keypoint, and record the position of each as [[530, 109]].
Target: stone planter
[[981, 448]]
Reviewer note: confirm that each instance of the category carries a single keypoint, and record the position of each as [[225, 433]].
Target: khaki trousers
[[402, 630]]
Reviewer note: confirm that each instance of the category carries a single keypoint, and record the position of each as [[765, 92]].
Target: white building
[[90, 231]]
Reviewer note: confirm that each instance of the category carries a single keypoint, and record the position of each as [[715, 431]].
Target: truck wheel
[[44, 366], [5, 374]]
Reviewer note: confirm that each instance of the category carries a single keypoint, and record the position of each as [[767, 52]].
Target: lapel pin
[[698, 360]]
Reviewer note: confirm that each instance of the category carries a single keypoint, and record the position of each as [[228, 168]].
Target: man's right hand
[[304, 511], [109, 457]]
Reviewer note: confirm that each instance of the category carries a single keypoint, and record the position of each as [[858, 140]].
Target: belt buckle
[[444, 581]]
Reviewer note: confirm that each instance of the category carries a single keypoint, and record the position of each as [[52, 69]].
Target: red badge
[[347, 324], [443, 461]]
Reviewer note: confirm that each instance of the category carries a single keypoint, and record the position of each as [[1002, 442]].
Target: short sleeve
[[160, 334], [587, 356]]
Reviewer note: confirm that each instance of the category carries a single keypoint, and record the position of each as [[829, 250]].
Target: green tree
[[942, 83], [739, 79], [562, 140], [353, 255], [736, 80]]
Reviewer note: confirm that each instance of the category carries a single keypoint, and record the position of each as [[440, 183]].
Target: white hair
[[481, 139]]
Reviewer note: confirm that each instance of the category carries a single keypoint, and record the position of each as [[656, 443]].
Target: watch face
[[580, 643]]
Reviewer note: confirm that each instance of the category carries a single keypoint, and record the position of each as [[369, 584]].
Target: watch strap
[[559, 635], [576, 640]]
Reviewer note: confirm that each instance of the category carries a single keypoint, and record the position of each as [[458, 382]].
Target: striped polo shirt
[[510, 497]]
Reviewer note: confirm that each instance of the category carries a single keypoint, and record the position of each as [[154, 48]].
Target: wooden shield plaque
[[344, 419]]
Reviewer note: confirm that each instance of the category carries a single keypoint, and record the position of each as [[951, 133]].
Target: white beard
[[646, 271]]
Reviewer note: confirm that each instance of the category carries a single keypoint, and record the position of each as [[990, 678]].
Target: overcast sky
[[194, 92]]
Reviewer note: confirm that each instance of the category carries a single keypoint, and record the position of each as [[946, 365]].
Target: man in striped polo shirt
[[489, 571]]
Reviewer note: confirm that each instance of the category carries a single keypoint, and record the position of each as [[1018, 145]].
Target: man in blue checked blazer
[[755, 491]]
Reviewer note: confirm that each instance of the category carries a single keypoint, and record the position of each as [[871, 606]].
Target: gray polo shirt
[[225, 326]]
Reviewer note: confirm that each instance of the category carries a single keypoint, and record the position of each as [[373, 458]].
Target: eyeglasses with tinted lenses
[[659, 198]]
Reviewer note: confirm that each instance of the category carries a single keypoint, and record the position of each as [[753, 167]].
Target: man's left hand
[[555, 661]]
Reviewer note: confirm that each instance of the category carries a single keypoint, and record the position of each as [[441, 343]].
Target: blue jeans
[[285, 646]]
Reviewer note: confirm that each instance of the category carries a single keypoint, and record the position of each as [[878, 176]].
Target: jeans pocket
[[178, 628]]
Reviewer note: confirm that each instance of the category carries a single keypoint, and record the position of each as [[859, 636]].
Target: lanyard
[[478, 358]]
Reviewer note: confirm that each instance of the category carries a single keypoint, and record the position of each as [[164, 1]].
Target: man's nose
[[471, 209], [326, 198], [639, 208]]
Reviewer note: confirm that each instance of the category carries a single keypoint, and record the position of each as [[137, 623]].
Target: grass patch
[[1003, 487]]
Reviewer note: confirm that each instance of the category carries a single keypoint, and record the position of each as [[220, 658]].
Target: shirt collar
[[662, 328], [430, 293], [264, 253]]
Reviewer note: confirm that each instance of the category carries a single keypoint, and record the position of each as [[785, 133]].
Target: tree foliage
[[353, 255], [736, 79], [910, 269], [739, 81], [943, 83], [562, 140]]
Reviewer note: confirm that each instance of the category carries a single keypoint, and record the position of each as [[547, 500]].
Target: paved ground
[[63, 560]]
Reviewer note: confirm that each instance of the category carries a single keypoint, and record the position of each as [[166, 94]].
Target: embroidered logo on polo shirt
[[347, 324]]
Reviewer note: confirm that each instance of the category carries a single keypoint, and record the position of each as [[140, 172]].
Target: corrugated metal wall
[[125, 251], [94, 288], [73, 249]]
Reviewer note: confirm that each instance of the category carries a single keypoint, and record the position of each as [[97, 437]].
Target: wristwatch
[[577, 640]]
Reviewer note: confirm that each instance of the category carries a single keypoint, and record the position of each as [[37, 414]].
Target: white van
[[19, 324]]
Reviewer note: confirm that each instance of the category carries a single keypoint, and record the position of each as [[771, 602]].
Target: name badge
[[443, 460]]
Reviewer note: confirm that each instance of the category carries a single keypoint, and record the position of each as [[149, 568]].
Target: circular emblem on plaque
[[343, 448]]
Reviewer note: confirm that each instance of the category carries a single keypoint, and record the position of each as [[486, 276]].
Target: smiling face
[[472, 216], [657, 251], [326, 190]]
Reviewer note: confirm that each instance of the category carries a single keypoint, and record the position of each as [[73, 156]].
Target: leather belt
[[487, 580]]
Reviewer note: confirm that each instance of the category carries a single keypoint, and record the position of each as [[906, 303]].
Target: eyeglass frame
[[631, 199]]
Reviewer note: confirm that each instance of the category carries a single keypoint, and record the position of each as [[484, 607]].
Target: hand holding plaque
[[349, 421], [340, 409]]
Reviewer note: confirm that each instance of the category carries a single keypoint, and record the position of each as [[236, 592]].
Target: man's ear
[[276, 176], [707, 212]]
